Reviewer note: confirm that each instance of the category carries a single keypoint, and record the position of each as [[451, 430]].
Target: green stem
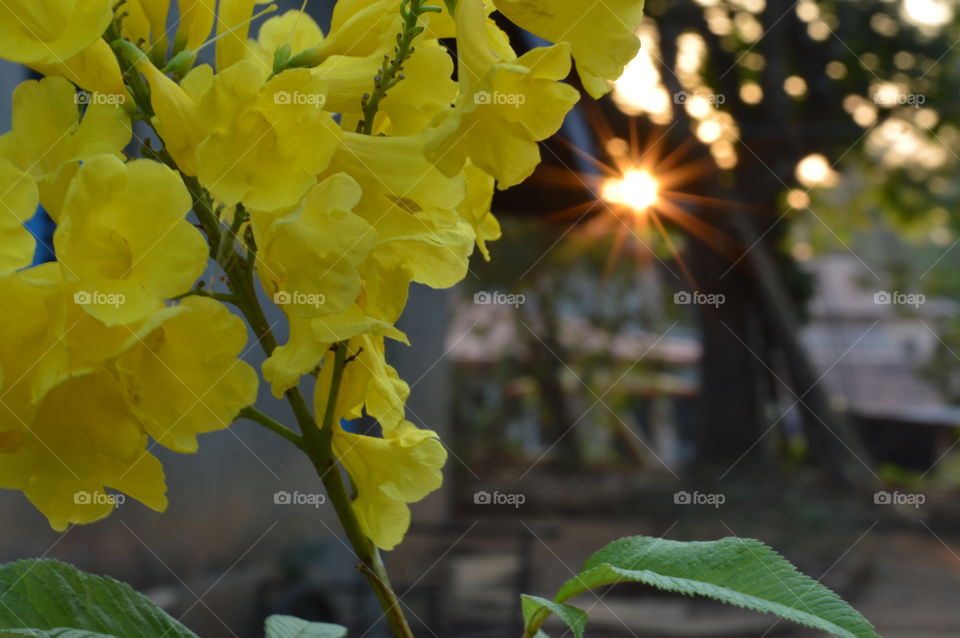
[[316, 442], [255, 415], [391, 71]]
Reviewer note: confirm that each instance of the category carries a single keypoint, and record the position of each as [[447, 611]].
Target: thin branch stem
[[319, 447], [316, 442], [255, 415]]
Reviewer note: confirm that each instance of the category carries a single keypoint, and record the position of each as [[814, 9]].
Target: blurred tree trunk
[[758, 319]]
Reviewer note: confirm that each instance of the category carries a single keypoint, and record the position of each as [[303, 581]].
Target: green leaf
[[740, 572], [51, 596], [532, 606], [451, 6], [290, 627]]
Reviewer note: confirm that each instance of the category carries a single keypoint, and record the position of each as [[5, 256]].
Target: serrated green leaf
[[740, 572], [291, 627], [50, 596], [60, 632], [534, 606]]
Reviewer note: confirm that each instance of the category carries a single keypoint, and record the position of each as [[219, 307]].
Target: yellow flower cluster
[[343, 166]]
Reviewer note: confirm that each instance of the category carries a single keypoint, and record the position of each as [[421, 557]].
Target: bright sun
[[637, 189]]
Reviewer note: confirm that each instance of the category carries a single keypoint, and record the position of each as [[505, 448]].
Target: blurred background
[[725, 305]]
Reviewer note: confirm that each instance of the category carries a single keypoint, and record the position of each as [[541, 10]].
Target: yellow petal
[[268, 141], [50, 31], [233, 25], [48, 139], [81, 440], [602, 34], [124, 241], [177, 120], [309, 258], [18, 203], [387, 474], [94, 69], [196, 22], [184, 377], [296, 29], [398, 168]]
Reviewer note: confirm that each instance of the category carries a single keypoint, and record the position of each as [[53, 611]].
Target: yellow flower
[[389, 473], [196, 22], [427, 89], [397, 168], [177, 111], [268, 140], [233, 25], [145, 24], [308, 259], [94, 69], [311, 338], [378, 307], [433, 246], [372, 386], [33, 353], [409, 106], [602, 35], [184, 378], [50, 31], [18, 203], [80, 440], [506, 104], [359, 27], [475, 208], [295, 29], [124, 242], [49, 139]]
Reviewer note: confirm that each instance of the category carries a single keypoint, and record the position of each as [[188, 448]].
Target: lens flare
[[637, 189]]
